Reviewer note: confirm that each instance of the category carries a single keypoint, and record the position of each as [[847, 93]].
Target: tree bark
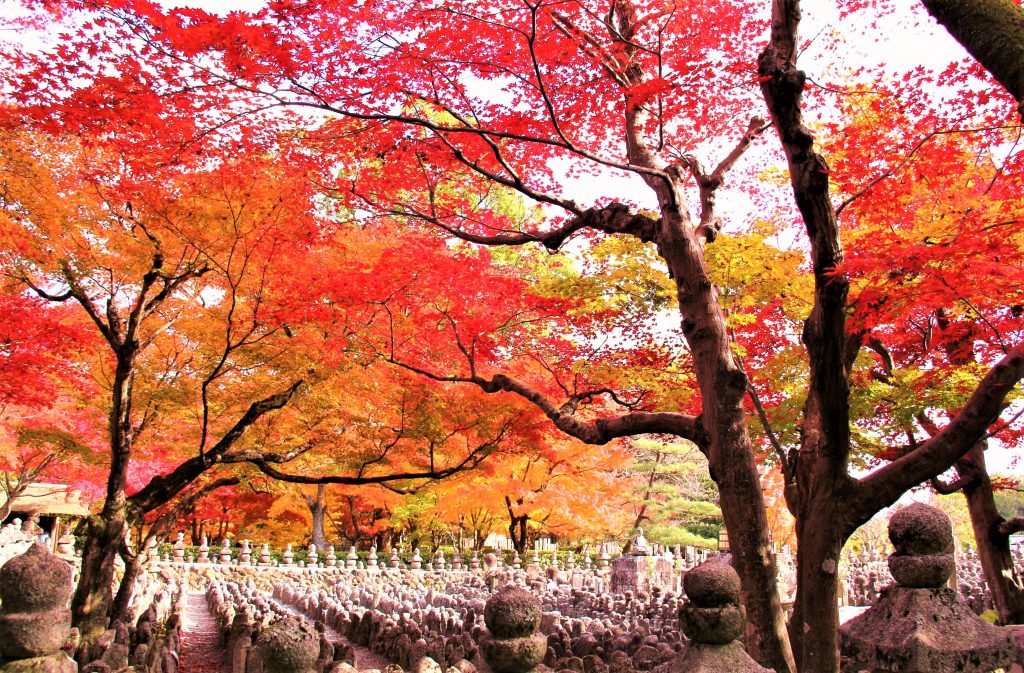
[[992, 31], [1003, 578], [93, 599], [126, 590], [318, 510]]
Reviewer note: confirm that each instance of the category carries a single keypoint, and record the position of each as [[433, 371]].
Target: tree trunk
[[317, 508], [93, 599], [814, 626], [1004, 580], [126, 590], [993, 32], [723, 386], [90, 606]]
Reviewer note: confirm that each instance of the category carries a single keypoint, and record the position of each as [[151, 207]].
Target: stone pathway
[[201, 651]]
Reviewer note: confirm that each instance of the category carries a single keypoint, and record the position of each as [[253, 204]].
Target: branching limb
[[1012, 526], [939, 452], [615, 218], [600, 431], [708, 183], [163, 488]]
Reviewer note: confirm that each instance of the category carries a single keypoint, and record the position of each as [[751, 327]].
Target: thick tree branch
[[826, 427], [161, 489], [600, 431], [1011, 526], [708, 183], [614, 218], [472, 460], [937, 454]]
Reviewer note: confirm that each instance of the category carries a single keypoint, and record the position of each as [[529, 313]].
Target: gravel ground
[[201, 651]]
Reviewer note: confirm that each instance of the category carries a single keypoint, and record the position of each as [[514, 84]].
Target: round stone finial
[[920, 529], [713, 615], [512, 613], [923, 538], [290, 645], [35, 580], [712, 584]]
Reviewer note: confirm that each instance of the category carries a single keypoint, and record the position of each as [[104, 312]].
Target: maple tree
[[42, 411], [457, 108]]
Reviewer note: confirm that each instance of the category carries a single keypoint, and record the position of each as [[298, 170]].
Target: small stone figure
[[178, 550], [639, 546], [394, 561], [371, 560], [332, 558], [225, 552], [245, 554], [290, 645], [417, 560], [311, 556], [66, 546], [265, 555], [288, 555], [352, 558]]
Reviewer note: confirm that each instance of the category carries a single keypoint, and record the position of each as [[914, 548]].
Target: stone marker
[[919, 625], [290, 645], [513, 643], [35, 621], [713, 619]]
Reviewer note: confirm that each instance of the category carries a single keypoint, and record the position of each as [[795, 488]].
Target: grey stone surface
[[290, 645], [34, 591], [512, 644], [713, 619]]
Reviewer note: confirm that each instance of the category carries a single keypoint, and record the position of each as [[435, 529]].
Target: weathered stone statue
[[639, 546], [919, 625], [290, 645], [178, 550], [713, 619], [35, 621], [513, 643]]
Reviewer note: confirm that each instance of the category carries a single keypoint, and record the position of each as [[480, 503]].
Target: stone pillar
[[225, 552], [713, 619], [919, 624], [513, 643], [35, 621]]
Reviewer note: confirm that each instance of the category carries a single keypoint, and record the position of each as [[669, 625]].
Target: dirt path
[[201, 651]]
